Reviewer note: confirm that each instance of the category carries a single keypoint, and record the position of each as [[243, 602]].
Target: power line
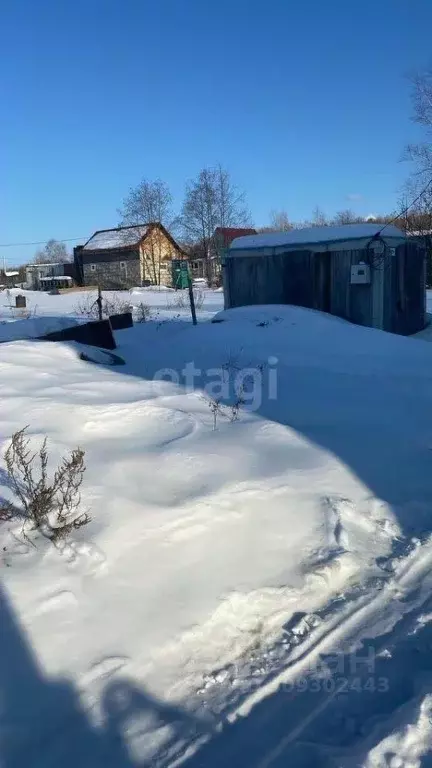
[[43, 242], [405, 210]]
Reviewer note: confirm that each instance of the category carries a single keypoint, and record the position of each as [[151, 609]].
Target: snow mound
[[224, 560], [34, 327]]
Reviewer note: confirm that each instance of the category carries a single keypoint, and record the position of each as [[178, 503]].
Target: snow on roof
[[54, 277], [314, 235], [11, 274], [119, 237], [45, 264]]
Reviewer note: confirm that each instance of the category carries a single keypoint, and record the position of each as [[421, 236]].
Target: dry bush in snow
[[49, 506], [180, 300], [87, 306], [141, 312]]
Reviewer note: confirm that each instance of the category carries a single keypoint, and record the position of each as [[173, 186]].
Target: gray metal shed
[[353, 271]]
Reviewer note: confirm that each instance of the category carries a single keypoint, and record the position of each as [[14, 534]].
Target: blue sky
[[304, 103]]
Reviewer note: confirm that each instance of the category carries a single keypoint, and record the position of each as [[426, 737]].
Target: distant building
[[45, 277], [126, 256], [9, 278], [220, 243]]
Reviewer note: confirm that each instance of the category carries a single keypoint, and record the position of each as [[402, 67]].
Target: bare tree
[[417, 220], [319, 218], [211, 201], [54, 252], [150, 202], [279, 221], [421, 153], [346, 216]]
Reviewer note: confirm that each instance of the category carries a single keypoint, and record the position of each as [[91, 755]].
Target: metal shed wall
[[304, 278], [278, 279], [405, 290], [393, 301]]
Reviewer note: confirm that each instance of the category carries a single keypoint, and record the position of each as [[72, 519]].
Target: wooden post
[[192, 301], [99, 302]]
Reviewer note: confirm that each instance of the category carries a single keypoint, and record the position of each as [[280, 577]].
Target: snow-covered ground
[[163, 303], [255, 594]]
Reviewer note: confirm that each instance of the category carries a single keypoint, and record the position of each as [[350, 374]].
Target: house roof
[[45, 264], [230, 233], [118, 237], [316, 236]]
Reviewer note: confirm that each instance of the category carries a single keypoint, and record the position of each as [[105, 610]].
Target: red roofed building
[[221, 241], [223, 236]]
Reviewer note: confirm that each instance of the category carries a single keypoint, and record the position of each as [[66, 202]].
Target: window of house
[[122, 265], [195, 265], [93, 267]]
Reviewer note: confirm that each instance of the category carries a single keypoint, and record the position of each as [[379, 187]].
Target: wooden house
[[128, 256]]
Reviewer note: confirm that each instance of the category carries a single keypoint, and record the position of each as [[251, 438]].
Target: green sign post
[[182, 280], [180, 272]]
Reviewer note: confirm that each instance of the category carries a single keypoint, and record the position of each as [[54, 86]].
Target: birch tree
[[150, 202], [211, 200]]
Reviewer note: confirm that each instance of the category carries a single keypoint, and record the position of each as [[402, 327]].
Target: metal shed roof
[[317, 238]]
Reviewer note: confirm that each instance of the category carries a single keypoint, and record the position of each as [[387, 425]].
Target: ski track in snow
[[266, 716]]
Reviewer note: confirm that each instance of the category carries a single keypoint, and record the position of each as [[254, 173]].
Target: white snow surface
[[315, 235], [115, 238], [223, 568], [164, 303], [33, 327]]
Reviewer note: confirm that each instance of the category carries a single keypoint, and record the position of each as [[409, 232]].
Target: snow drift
[[216, 558]]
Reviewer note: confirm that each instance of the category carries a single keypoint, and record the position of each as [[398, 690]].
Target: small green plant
[[49, 506]]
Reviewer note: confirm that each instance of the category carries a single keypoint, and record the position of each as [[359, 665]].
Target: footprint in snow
[[86, 557], [63, 598], [104, 668]]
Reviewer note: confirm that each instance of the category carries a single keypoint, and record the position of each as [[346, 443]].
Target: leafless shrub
[[142, 312], [199, 296], [180, 299], [233, 362], [50, 506], [236, 407], [230, 412], [87, 306], [216, 409]]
